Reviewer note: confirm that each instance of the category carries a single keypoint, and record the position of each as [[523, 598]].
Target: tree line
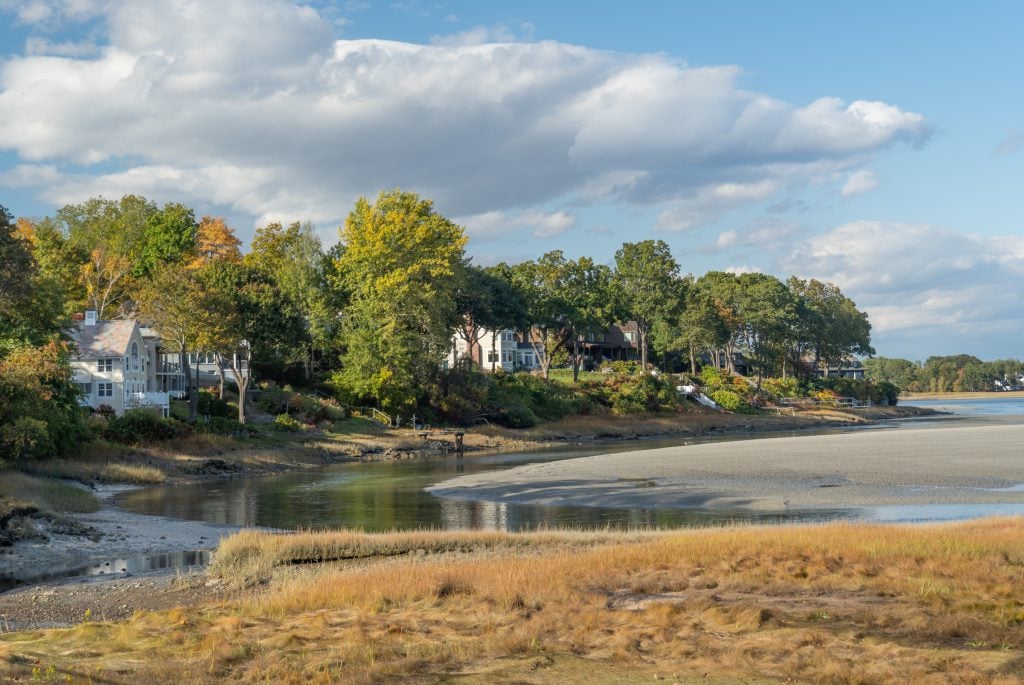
[[954, 373], [373, 317]]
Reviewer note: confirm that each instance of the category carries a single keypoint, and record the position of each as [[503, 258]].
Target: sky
[[875, 145]]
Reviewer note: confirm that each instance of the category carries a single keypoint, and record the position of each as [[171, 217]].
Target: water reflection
[[382, 496]]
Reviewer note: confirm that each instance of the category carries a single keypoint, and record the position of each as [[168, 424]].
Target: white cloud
[[248, 103], [860, 182], [764, 235], [743, 269], [499, 223], [923, 281]]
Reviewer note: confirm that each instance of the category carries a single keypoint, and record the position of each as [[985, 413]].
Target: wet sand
[[961, 464]]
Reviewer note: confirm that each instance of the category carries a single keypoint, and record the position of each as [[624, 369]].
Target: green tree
[[169, 237], [542, 285], [645, 281], [400, 263], [183, 310], [111, 235], [294, 258], [767, 310], [831, 325], [589, 309]]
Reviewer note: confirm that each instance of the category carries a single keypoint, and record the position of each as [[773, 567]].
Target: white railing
[[139, 400]]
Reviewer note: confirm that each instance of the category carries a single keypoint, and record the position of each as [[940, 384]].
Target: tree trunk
[[193, 401], [693, 361], [220, 373], [577, 359], [242, 381], [641, 331], [494, 344]]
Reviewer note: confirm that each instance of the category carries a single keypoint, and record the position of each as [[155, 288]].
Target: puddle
[[921, 513], [132, 565]]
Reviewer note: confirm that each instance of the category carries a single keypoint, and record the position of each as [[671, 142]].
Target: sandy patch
[[922, 466]]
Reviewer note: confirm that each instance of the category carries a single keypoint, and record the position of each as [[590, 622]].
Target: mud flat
[[910, 466]]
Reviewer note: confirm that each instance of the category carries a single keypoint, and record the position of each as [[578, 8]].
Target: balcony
[[148, 400]]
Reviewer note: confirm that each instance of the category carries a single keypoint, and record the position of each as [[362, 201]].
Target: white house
[[506, 350], [114, 366]]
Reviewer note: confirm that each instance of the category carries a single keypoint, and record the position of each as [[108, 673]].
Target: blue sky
[[876, 145]]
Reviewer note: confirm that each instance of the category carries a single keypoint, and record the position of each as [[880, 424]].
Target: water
[[379, 496], [382, 496], [124, 566]]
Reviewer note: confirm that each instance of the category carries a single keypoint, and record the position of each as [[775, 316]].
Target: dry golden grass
[[837, 603], [47, 494]]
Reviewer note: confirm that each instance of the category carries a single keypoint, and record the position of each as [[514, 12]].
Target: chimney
[[90, 317]]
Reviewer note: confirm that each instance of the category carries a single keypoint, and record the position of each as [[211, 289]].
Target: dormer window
[[104, 365]]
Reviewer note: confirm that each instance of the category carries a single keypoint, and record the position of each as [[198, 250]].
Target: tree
[[644, 281], [590, 308], [722, 288], [170, 236], [111, 235], [250, 319], [543, 289], [833, 327], [767, 310], [184, 311], [293, 258], [215, 242], [400, 264]]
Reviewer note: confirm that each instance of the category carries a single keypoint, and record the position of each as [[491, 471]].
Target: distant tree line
[[373, 317], [955, 373]]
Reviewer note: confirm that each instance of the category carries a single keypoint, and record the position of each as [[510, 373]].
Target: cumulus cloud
[[499, 223], [764, 235], [859, 182], [248, 103], [921, 280]]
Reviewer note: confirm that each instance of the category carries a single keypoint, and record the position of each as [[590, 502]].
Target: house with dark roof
[[114, 366]]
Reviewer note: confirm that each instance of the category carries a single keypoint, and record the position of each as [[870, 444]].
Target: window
[[509, 356], [104, 365], [86, 389], [104, 390], [135, 356], [509, 336], [492, 356], [528, 360], [630, 336]]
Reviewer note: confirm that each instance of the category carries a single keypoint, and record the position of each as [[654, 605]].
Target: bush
[[140, 424], [727, 399], [26, 438], [219, 425], [284, 422], [781, 387], [517, 416], [208, 405]]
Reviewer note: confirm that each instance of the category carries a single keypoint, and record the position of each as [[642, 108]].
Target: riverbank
[[1009, 395], [959, 464], [800, 603]]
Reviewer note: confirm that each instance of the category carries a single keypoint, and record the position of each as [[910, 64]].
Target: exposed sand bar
[[945, 465]]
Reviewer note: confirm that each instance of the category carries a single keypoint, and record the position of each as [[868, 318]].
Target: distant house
[[114, 366], [619, 342], [506, 350], [850, 368]]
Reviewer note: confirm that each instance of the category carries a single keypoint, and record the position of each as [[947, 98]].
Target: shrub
[[781, 387], [727, 399], [140, 424], [219, 425], [285, 422], [208, 405], [517, 416], [26, 438]]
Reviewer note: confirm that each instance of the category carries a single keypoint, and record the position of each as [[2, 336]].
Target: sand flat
[[920, 466]]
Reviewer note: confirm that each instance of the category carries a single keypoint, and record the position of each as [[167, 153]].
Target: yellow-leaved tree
[[400, 265]]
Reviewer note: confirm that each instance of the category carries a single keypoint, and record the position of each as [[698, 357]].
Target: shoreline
[[961, 464], [118, 534]]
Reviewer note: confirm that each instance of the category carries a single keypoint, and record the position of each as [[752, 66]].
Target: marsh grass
[[836, 603], [47, 494], [102, 471]]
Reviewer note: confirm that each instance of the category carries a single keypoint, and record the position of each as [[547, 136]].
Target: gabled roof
[[105, 339]]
